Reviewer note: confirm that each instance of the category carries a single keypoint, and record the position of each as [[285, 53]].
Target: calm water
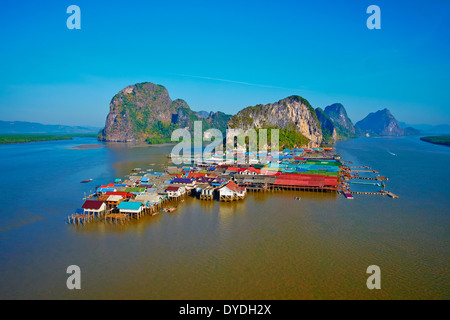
[[266, 247]]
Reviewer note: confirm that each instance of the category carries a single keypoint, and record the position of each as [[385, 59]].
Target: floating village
[[146, 192]]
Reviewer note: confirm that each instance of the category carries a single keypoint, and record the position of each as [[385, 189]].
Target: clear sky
[[225, 55]]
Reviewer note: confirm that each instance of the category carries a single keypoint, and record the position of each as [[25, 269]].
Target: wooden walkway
[[381, 193]]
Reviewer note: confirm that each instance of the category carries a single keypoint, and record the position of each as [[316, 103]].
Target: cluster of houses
[[142, 192], [139, 193]]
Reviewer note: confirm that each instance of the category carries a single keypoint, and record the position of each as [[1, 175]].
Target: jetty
[[390, 194], [371, 193]]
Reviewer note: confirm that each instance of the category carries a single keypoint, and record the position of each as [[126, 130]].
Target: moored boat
[[348, 195]]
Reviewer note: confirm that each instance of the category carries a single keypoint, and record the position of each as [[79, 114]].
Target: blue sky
[[225, 55]]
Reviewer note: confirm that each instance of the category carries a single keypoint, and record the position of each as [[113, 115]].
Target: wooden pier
[[113, 216], [230, 198], [381, 193], [117, 218], [373, 171], [80, 219], [369, 178], [206, 197], [390, 194], [371, 193]]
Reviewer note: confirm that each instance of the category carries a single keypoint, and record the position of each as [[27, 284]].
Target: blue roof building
[[129, 207]]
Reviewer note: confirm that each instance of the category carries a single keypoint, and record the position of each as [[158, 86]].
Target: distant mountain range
[[428, 129], [144, 111], [203, 114], [13, 127], [383, 123]]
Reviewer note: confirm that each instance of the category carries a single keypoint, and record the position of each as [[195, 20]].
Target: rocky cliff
[[380, 123], [344, 125], [145, 110], [293, 113], [329, 132], [336, 125]]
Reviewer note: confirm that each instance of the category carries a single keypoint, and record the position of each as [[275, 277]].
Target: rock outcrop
[[145, 110], [344, 125], [292, 113], [329, 132], [380, 123], [340, 128]]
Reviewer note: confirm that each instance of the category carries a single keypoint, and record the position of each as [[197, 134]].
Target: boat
[[86, 181], [298, 198], [348, 195]]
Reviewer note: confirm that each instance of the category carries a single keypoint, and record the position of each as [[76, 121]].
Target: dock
[[380, 193], [371, 193], [390, 194]]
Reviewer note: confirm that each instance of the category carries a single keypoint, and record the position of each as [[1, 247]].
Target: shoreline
[[34, 141], [19, 138], [136, 144], [87, 147], [441, 140]]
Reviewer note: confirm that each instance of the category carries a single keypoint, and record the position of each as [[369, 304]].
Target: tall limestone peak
[[344, 126], [336, 125], [145, 110], [380, 123], [328, 127], [293, 114], [339, 115]]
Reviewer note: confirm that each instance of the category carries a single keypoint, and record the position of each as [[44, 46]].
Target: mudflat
[[87, 146]]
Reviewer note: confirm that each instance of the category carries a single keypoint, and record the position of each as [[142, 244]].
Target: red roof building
[[305, 180], [196, 175], [235, 169], [252, 170], [234, 187], [119, 193], [173, 189], [110, 185], [93, 206]]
